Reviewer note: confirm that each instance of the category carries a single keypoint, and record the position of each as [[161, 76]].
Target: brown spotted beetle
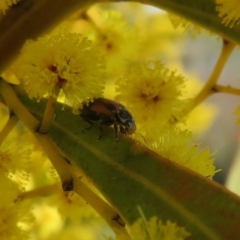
[[108, 112]]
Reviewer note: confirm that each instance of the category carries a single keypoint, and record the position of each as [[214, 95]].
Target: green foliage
[[201, 12], [130, 176]]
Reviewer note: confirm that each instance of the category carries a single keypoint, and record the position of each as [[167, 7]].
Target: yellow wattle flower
[[193, 29], [152, 93], [176, 145], [229, 11], [62, 61], [155, 229], [15, 161], [71, 206], [12, 214], [117, 39]]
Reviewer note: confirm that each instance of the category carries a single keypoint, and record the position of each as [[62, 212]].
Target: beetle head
[[127, 122], [130, 126]]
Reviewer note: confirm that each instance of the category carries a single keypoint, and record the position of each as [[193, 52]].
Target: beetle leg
[[101, 130], [91, 124], [122, 129], [115, 124]]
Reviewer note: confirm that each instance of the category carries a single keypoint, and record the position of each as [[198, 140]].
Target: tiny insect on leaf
[[108, 112]]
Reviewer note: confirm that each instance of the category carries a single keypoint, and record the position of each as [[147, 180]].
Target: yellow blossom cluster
[[153, 94], [155, 229], [13, 215], [229, 11], [117, 39], [193, 29], [176, 145], [62, 61], [15, 161]]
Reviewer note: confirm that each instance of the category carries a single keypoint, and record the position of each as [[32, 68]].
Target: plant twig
[[226, 89], [49, 113], [11, 123], [38, 192], [208, 89], [33, 124]]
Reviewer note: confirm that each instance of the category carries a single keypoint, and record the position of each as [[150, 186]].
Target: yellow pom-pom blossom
[[175, 145], [5, 4], [78, 232], [164, 41], [189, 27], [70, 206], [229, 11], [12, 215], [117, 39], [155, 229], [9, 191], [15, 161], [65, 61], [48, 220], [152, 93]]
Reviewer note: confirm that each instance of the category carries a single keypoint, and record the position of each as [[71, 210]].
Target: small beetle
[[108, 112]]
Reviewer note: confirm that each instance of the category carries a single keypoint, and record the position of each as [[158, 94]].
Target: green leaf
[[31, 22], [131, 176], [201, 12]]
